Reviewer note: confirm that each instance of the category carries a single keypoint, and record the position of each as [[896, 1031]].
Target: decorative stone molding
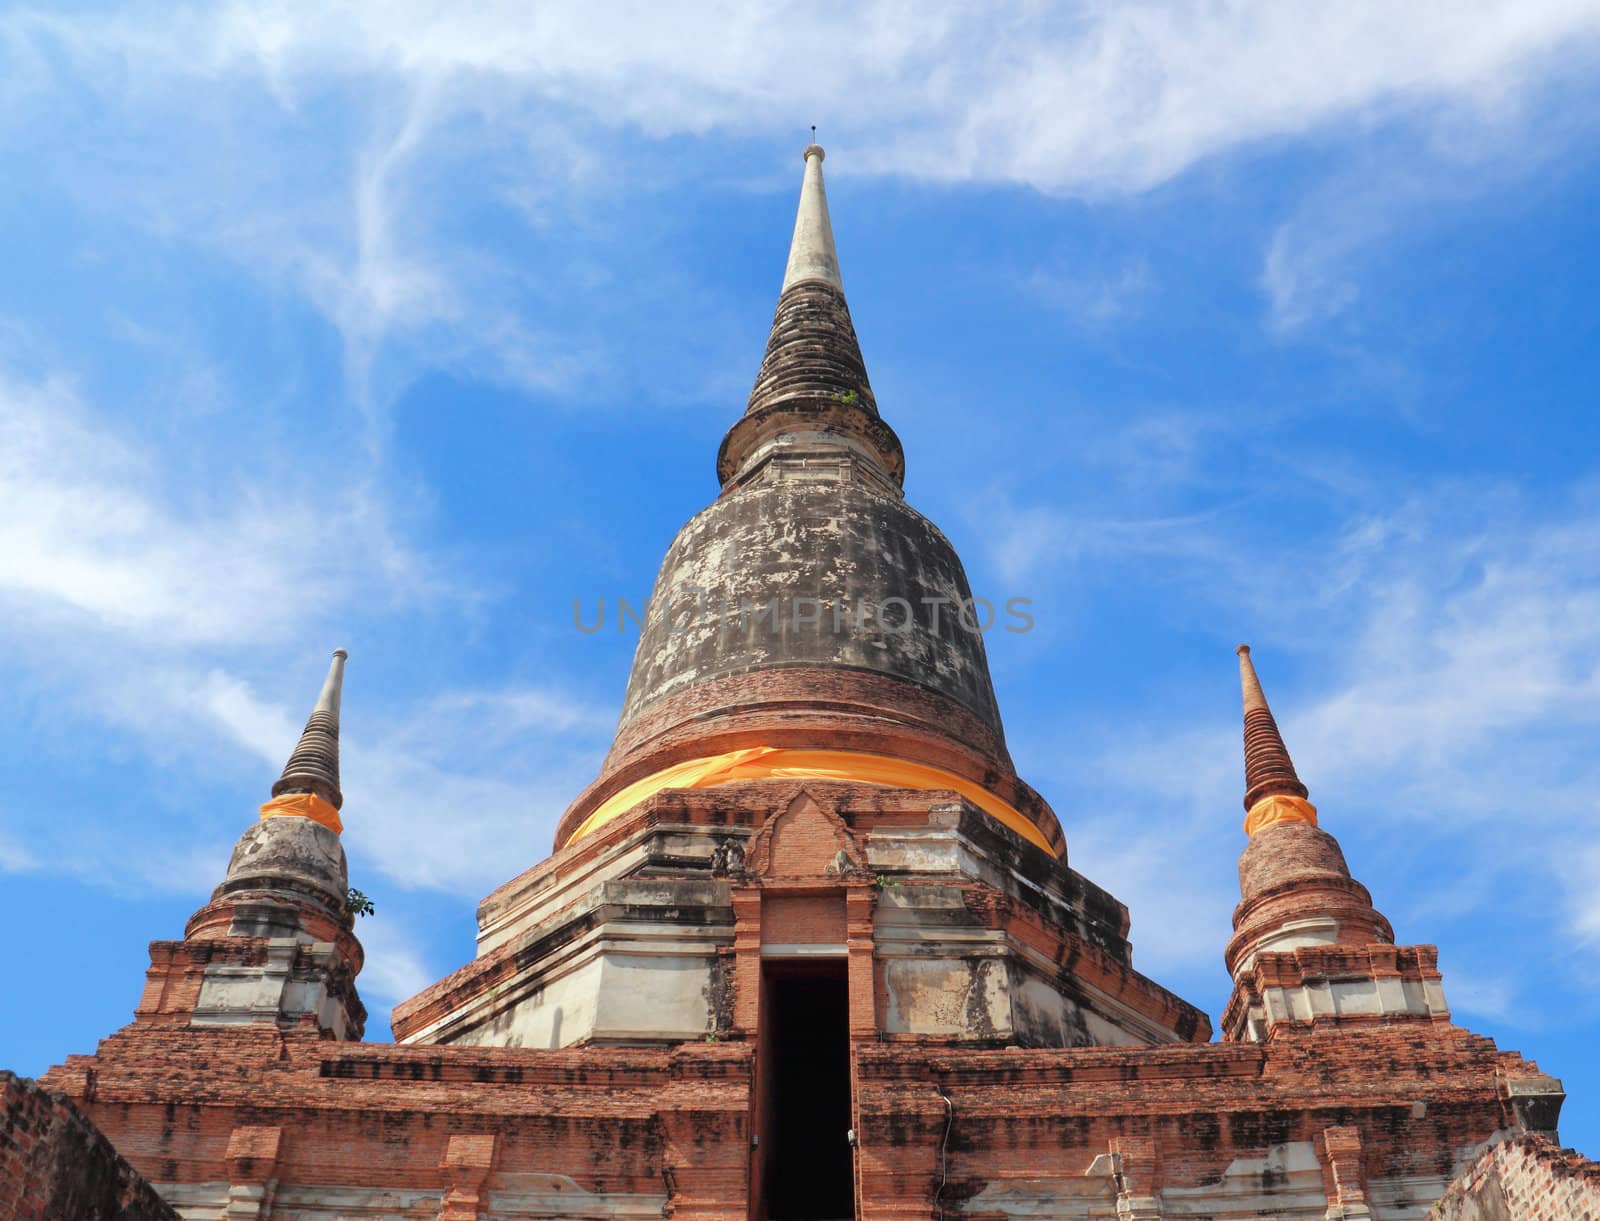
[[252, 1161], [465, 1168]]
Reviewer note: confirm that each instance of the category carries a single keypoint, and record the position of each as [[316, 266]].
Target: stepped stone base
[[642, 934]]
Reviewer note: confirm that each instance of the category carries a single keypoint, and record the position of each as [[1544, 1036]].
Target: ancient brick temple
[[808, 946]]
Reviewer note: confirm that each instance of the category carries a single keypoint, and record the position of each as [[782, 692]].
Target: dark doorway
[[805, 1046]]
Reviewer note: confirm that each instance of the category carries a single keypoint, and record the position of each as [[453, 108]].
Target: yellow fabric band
[[1279, 808], [304, 805], [777, 763]]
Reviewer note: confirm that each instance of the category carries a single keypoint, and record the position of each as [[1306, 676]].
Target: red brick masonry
[[1527, 1179], [54, 1164], [1381, 1103]]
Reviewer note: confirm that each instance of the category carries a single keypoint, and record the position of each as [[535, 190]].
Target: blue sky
[[378, 327]]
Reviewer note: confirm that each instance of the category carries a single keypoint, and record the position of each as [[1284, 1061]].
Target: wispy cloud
[[1388, 193], [124, 576], [395, 968], [1580, 872], [1159, 865], [1095, 100], [1032, 540], [1495, 999], [103, 531], [1307, 278], [13, 857], [1089, 299], [384, 282], [1096, 96]]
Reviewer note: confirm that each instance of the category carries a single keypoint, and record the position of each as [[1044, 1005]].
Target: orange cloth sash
[[1279, 808], [304, 805], [772, 762]]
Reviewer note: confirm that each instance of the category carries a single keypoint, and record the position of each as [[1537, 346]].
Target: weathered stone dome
[[796, 572], [810, 607]]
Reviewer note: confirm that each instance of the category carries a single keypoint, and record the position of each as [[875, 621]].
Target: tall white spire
[[811, 254], [812, 378]]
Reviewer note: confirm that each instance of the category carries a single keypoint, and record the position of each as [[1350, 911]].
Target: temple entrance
[[808, 1165]]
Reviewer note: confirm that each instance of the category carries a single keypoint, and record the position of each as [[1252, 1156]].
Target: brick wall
[[55, 1164], [1527, 1179], [803, 920]]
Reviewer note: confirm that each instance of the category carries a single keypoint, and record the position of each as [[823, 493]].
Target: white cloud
[[1492, 998], [1098, 96], [404, 102], [1031, 540], [514, 712], [394, 968], [108, 860], [1091, 299], [129, 570], [1433, 657], [14, 858], [1468, 633], [1175, 881], [1307, 278], [385, 282], [1376, 199], [457, 829], [1581, 870], [123, 578], [466, 789], [103, 532], [266, 731]]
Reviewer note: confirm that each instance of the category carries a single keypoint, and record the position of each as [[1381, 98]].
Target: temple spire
[[1268, 771], [1308, 949], [314, 765], [279, 944], [812, 255], [812, 389]]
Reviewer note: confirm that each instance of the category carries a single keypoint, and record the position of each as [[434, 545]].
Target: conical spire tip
[[328, 701], [1268, 770], [314, 765], [811, 254]]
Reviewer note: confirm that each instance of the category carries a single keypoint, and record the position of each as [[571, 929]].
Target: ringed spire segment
[[1273, 791]]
